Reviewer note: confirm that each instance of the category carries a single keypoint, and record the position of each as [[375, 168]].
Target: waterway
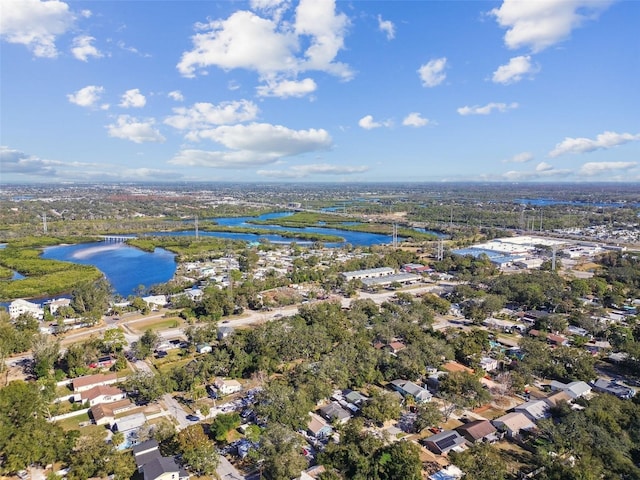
[[127, 267], [545, 202]]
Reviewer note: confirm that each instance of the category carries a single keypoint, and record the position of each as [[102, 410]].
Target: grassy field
[[73, 423], [157, 324]]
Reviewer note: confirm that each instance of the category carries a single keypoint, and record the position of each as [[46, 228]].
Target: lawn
[[74, 423], [157, 324]]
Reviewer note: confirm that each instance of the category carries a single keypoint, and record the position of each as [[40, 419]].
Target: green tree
[[147, 344], [113, 340], [197, 450], [480, 462], [382, 406], [280, 449], [464, 389], [91, 299], [427, 415], [223, 424]]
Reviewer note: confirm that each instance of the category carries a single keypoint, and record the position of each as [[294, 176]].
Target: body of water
[[125, 267], [545, 202]]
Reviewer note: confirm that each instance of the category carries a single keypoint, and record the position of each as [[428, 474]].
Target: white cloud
[[520, 158], [515, 70], [487, 109], [432, 72], [543, 167], [287, 88], [387, 27], [35, 24], [271, 46], [368, 123], [205, 115], [133, 99], [253, 144], [542, 23], [138, 131], [86, 13], [15, 161], [542, 171], [414, 119], [300, 171], [88, 96], [82, 48], [273, 8], [596, 168], [176, 95], [604, 140]]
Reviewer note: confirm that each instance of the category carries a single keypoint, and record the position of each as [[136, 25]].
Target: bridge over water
[[117, 238]]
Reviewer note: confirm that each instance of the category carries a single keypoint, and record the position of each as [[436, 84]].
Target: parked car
[[193, 418]]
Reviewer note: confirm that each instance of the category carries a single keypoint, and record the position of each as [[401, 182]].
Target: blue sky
[[317, 90]]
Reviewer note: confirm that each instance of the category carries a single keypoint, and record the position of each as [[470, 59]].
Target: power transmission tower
[[440, 251], [196, 225], [395, 235], [44, 222]]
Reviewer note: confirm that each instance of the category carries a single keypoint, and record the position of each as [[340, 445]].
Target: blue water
[[125, 267], [544, 202]]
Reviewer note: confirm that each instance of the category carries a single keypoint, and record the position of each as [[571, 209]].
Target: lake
[[127, 267]]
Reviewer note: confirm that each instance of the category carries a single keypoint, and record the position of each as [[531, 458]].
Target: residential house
[[445, 441], [317, 427], [204, 348], [416, 268], [356, 398], [513, 423], [333, 412], [534, 409], [155, 301], [555, 398], [129, 423], [144, 452], [164, 468], [450, 472], [395, 346], [227, 387], [311, 473], [224, 332], [573, 389], [102, 394], [478, 431], [406, 387], [597, 346], [105, 413], [20, 306], [551, 338], [56, 304], [488, 364], [614, 388], [103, 362], [87, 382]]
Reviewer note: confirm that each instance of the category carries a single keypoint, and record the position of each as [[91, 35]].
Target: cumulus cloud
[[133, 99], [35, 24], [368, 123], [287, 88], [15, 161], [487, 109], [253, 144], [138, 131], [515, 70], [273, 8], [82, 48], [387, 27], [88, 96], [432, 72], [414, 119], [543, 23], [205, 115], [176, 95], [603, 141], [271, 46], [522, 157], [597, 168], [301, 171]]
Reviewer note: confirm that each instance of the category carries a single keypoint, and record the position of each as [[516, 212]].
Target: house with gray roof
[[334, 412], [445, 441], [614, 388], [144, 452], [164, 468], [534, 409], [573, 389], [406, 387]]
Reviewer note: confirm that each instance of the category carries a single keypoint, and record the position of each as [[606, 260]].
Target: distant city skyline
[[319, 91]]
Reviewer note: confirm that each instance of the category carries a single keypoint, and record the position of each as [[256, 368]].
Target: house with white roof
[[573, 389], [20, 306], [534, 409]]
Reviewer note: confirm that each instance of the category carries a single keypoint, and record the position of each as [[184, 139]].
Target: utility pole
[[440, 252], [394, 235], [44, 222]]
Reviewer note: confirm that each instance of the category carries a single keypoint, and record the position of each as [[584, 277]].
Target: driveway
[[177, 411]]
